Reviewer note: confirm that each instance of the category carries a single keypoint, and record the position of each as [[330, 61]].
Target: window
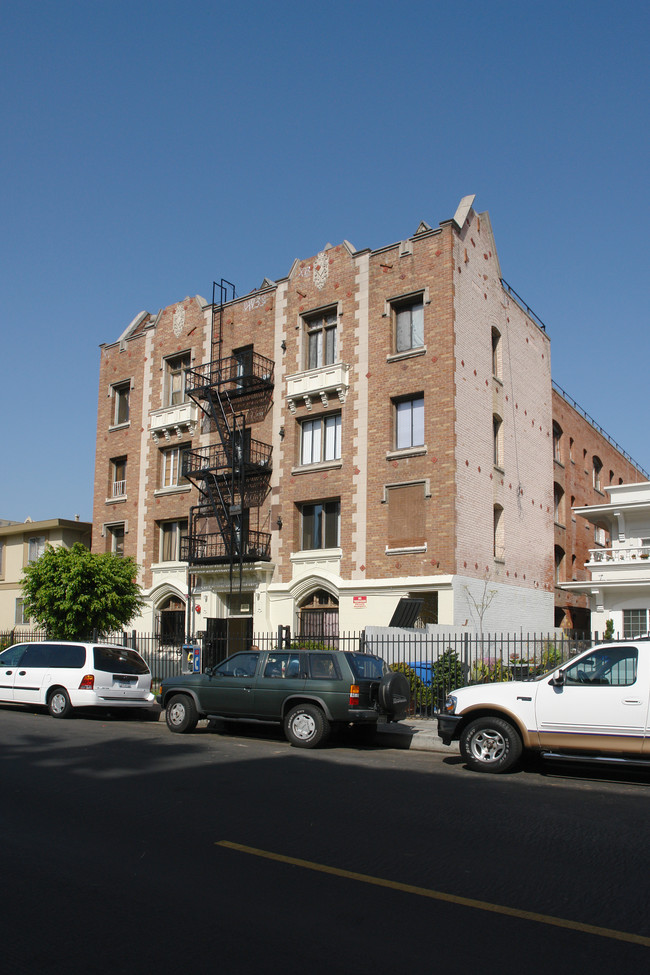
[[496, 353], [406, 516], [115, 539], [2, 558], [559, 564], [240, 665], [118, 477], [609, 666], [635, 622], [597, 468], [558, 504], [557, 447], [497, 436], [499, 533], [171, 533], [320, 332], [285, 665], [318, 618], [409, 423], [36, 548], [408, 319], [19, 613], [320, 439], [171, 465], [121, 393], [571, 446], [175, 379], [600, 535], [320, 524]]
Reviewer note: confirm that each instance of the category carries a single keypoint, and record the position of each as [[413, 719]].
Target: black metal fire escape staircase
[[232, 474]]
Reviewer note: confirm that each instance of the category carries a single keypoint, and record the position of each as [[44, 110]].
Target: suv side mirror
[[558, 680]]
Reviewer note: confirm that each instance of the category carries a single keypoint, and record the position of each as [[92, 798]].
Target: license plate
[[124, 683]]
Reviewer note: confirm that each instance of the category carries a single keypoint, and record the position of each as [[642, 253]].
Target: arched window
[[598, 466], [559, 564], [499, 533], [558, 504], [497, 436], [496, 353], [557, 443], [318, 618]]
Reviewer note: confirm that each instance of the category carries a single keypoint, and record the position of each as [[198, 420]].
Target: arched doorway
[[171, 615], [318, 618]]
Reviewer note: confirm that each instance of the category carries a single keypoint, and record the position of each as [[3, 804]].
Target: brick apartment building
[[376, 424]]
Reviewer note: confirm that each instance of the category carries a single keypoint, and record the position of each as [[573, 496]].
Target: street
[[129, 849]]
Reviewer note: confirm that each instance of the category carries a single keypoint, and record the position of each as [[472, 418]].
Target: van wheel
[[181, 714], [306, 726], [490, 745], [58, 703]]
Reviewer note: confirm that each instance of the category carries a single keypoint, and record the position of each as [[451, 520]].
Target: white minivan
[[68, 675]]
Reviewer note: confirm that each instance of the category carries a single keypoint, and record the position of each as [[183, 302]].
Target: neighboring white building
[[620, 565]]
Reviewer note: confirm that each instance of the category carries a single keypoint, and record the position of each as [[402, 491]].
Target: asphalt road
[[129, 849]]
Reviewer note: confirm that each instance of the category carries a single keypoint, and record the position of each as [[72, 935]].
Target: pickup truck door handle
[[21, 673], [631, 700]]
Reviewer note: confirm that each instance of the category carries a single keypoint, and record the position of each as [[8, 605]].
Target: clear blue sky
[[151, 147]]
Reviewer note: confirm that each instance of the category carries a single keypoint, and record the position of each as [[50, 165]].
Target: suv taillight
[[87, 682], [354, 695]]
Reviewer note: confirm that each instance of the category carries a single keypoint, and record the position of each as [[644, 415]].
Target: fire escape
[[232, 474]]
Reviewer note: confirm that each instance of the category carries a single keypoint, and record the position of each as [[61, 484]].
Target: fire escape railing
[[232, 475]]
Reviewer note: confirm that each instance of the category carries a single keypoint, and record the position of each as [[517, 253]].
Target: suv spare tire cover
[[395, 694]]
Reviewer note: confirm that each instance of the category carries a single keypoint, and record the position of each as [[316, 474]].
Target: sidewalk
[[415, 734]]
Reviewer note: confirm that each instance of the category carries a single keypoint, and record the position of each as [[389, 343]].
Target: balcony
[[304, 387], [172, 421], [211, 548], [640, 553]]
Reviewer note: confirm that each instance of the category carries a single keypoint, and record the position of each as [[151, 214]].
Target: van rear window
[[119, 660]]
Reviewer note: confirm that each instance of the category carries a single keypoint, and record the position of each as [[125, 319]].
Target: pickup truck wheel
[[306, 726], [181, 714], [490, 745]]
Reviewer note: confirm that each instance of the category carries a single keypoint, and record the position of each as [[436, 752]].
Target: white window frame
[[321, 337], [409, 422], [403, 319], [121, 392], [171, 466], [176, 367], [174, 530], [35, 547], [320, 439]]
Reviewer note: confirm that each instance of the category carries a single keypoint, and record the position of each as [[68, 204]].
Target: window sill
[[119, 426], [122, 497], [326, 465], [407, 452], [499, 470], [317, 555], [406, 550], [407, 354], [177, 489]]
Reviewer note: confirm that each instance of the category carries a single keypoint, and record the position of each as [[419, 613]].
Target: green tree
[[72, 591]]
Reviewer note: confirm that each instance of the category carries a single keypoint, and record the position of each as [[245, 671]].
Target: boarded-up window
[[406, 521]]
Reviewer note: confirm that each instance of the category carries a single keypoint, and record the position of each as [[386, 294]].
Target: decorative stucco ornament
[[178, 321], [321, 270]]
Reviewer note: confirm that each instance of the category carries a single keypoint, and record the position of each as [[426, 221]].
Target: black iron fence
[[435, 664]]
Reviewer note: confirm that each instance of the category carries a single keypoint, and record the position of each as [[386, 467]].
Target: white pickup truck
[[595, 707]]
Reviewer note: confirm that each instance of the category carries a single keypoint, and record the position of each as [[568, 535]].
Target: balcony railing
[[211, 548], [236, 374], [254, 456], [119, 489], [640, 553]]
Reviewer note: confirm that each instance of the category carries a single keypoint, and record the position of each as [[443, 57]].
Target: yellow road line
[[558, 922]]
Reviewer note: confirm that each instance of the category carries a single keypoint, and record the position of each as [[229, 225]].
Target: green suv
[[309, 692]]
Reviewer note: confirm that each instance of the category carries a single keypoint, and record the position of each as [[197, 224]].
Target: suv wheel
[[306, 726], [490, 745], [181, 714]]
